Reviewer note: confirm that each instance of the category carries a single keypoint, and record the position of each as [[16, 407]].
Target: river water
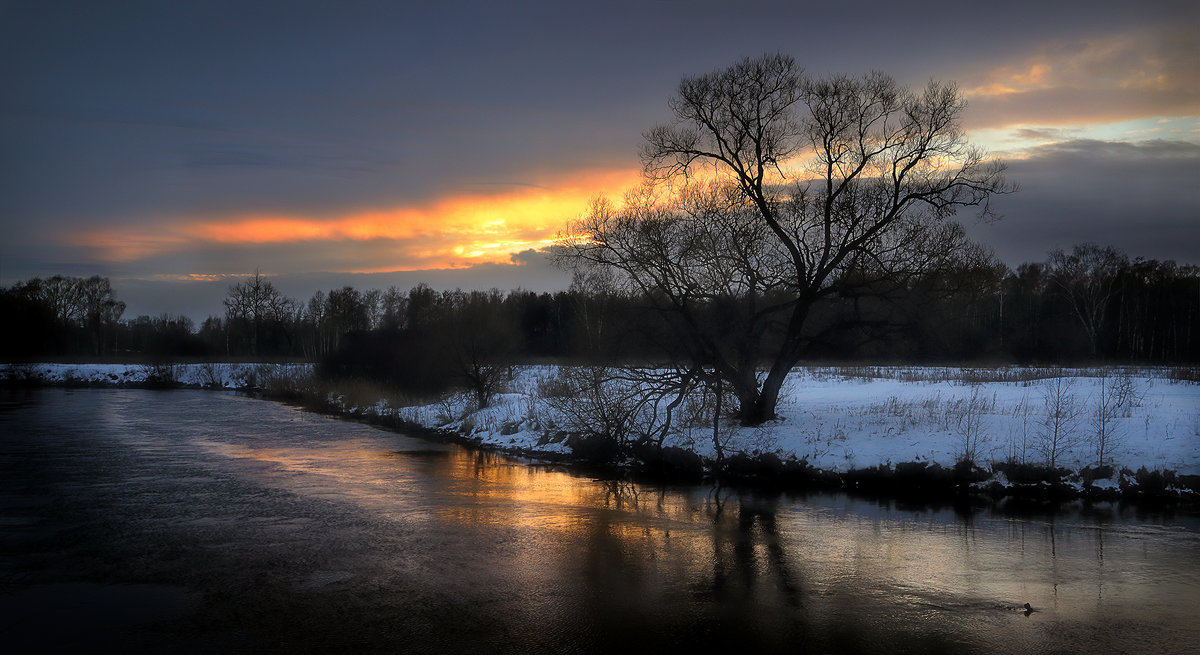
[[196, 521]]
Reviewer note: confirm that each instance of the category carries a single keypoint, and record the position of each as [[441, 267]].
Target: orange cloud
[[450, 232], [1003, 81], [1104, 79]]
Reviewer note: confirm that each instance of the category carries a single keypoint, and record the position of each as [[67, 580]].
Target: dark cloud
[[1140, 197], [115, 110], [1040, 134]]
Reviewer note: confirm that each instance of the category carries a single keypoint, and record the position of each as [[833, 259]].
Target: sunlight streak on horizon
[[451, 232]]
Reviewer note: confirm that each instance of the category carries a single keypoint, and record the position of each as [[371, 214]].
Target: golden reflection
[[778, 556], [500, 489]]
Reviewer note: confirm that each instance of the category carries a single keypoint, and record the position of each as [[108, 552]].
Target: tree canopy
[[771, 192]]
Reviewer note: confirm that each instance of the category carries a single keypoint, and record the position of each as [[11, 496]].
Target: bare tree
[[479, 341], [64, 296], [770, 192], [373, 302], [608, 410], [971, 425], [1109, 403], [1087, 276], [255, 305], [100, 311], [1059, 435], [620, 409], [392, 305]]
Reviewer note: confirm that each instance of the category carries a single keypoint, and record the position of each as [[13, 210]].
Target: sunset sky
[[174, 146]]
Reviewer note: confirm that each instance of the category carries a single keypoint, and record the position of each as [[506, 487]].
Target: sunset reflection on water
[[346, 534]]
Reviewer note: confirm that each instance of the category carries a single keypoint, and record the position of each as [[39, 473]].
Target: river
[[195, 521]]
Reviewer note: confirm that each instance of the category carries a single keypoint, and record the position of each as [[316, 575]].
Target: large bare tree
[[771, 191]]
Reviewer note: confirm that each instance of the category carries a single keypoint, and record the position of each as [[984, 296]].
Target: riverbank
[[209, 375], [913, 431]]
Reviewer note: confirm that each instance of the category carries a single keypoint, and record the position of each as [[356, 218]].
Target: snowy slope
[[838, 421]]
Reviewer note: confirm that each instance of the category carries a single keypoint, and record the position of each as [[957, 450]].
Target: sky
[[175, 146]]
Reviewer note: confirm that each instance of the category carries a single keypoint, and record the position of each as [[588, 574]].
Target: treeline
[[60, 315], [1088, 304]]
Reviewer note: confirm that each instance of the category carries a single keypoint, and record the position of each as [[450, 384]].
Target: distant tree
[[317, 340], [214, 335], [479, 338], [164, 337], [346, 310], [28, 328], [62, 294], [592, 290], [99, 310], [393, 306], [420, 306], [1025, 290], [1087, 277], [771, 193], [373, 304], [85, 310], [258, 312]]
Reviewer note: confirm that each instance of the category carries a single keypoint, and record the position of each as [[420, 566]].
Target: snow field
[[838, 422]]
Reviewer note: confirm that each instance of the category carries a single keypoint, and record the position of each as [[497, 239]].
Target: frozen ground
[[837, 418]]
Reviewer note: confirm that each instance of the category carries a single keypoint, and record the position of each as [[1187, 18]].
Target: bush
[[1151, 483], [1021, 473], [669, 460], [762, 466], [594, 448], [1092, 473], [161, 375]]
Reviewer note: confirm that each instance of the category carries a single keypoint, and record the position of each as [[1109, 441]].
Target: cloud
[[1120, 76], [1082, 151], [1066, 106], [1040, 134], [451, 232], [1138, 196]]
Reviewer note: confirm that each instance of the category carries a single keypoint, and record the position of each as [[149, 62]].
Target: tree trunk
[[759, 407], [762, 406], [716, 427]]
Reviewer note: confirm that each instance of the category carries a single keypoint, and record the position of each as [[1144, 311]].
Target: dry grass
[[1024, 375]]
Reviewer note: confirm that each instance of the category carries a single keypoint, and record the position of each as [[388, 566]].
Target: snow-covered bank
[[207, 375], [834, 418], [839, 419]]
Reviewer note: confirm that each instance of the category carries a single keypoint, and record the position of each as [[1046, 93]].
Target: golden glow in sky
[[1134, 86], [451, 232]]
